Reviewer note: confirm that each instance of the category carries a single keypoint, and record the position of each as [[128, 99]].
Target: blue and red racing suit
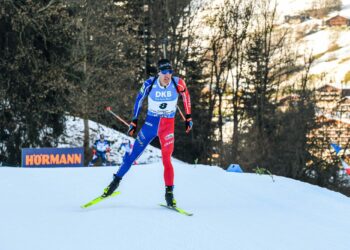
[[160, 121]]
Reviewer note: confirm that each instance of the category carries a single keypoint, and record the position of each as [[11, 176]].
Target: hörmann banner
[[52, 157]]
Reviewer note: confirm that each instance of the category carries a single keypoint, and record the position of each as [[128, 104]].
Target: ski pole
[[117, 116], [182, 115]]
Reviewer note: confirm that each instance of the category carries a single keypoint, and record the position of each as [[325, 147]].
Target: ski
[[176, 209], [99, 199]]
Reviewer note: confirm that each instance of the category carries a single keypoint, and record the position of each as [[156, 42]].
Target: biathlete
[[101, 148], [162, 92]]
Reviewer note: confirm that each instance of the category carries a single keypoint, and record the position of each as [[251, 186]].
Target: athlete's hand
[[188, 123], [132, 127]]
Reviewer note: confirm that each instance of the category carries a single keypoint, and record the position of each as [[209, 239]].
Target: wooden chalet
[[338, 21], [336, 130], [327, 98]]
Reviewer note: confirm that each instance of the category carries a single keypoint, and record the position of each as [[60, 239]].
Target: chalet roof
[[328, 86], [333, 119], [336, 16]]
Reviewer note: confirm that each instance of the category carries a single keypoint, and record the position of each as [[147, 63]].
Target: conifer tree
[[35, 39]]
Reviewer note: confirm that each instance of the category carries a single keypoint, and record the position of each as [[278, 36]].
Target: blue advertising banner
[[52, 157]]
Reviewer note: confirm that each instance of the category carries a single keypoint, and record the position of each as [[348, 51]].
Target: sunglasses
[[167, 71]]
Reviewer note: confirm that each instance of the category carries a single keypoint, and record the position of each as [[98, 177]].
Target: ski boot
[[169, 196], [112, 186]]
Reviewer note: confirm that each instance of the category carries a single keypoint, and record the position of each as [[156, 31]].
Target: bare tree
[[267, 67], [239, 18], [106, 61]]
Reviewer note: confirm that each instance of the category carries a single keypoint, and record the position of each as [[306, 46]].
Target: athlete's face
[[165, 77]]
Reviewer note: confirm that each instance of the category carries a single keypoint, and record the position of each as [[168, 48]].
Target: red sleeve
[[185, 96]]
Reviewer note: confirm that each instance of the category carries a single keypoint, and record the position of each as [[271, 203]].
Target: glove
[[108, 150], [188, 123], [132, 127], [94, 151]]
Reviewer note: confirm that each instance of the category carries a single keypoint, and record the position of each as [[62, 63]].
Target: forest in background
[[77, 57]]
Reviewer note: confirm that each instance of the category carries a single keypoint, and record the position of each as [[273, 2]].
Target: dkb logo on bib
[[163, 94]]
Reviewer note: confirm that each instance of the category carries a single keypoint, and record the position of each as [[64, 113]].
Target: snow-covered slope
[[329, 45], [74, 134], [40, 210]]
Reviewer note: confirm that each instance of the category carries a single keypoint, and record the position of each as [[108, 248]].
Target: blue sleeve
[[144, 91], [95, 145]]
